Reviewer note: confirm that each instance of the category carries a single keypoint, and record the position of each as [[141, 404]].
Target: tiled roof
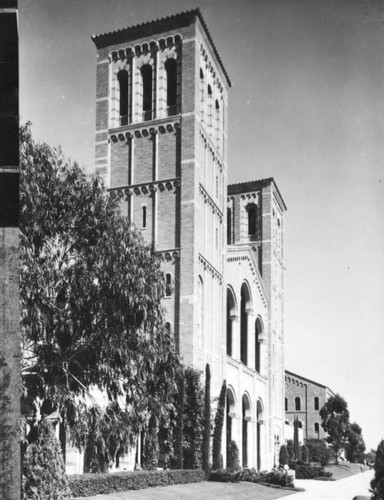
[[107, 38], [250, 185]]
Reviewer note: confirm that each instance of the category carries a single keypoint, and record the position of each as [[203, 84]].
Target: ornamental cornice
[[145, 47], [168, 255], [211, 148], [210, 68], [210, 268], [207, 199], [130, 131], [145, 188]]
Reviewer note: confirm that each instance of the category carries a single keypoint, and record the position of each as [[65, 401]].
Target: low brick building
[[304, 399]]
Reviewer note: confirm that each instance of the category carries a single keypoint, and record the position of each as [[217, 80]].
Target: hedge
[[86, 485], [306, 471]]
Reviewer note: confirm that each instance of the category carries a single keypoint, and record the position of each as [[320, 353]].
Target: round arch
[[231, 315], [259, 338], [245, 310]]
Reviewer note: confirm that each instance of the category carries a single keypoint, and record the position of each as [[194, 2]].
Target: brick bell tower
[[161, 146]]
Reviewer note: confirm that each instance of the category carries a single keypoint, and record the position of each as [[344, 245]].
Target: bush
[[304, 454], [43, 468], [276, 477], [86, 485], [306, 471], [283, 456], [319, 451], [233, 463], [226, 476], [193, 419], [377, 483]]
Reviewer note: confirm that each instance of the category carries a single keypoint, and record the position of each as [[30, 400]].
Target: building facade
[[304, 399], [161, 147]]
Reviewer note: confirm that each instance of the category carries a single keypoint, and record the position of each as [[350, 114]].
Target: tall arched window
[[171, 71], [200, 291], [168, 285], [252, 219], [202, 100], [231, 312], [297, 404], [245, 299], [246, 412], [217, 122], [286, 404], [229, 226], [210, 110], [122, 78], [146, 75], [258, 335], [316, 403]]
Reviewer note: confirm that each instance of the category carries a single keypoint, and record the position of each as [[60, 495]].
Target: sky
[[307, 108]]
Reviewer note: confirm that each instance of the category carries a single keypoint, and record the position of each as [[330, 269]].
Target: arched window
[[252, 219], [171, 71], [217, 122], [146, 75], [316, 403], [202, 100], [297, 404], [200, 291], [144, 217], [258, 334], [231, 312], [286, 404], [229, 226], [122, 77], [168, 285], [245, 299], [246, 417], [210, 110]]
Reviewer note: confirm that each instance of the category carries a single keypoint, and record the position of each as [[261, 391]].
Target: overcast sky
[[307, 108]]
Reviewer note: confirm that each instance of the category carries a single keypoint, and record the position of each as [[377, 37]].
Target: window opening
[[316, 403], [168, 285], [144, 217], [297, 404], [171, 70], [146, 74], [122, 77]]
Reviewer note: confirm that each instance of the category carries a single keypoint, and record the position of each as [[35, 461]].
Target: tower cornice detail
[[208, 199], [210, 268], [145, 188], [129, 131], [211, 148]]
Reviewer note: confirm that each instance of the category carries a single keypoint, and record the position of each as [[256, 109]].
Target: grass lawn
[[344, 470], [205, 491]]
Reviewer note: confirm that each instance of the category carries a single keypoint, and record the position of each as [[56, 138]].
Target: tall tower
[[161, 146]]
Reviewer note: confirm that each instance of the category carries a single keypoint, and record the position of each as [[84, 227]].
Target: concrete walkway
[[343, 489]]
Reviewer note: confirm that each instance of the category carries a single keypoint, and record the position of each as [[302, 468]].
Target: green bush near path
[[86, 485]]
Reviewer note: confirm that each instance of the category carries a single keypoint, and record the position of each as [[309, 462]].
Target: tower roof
[[157, 26], [244, 187]]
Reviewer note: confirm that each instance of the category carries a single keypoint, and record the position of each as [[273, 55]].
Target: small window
[[229, 226], [144, 217], [297, 404], [316, 403], [299, 424], [217, 186], [168, 285], [286, 404], [317, 428], [252, 219]]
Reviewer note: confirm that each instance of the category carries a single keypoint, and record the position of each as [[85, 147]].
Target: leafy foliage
[[355, 447], [335, 422], [218, 429], [318, 451], [193, 419], [290, 450], [179, 430], [43, 468], [283, 456], [296, 444], [151, 445], [377, 483], [304, 454], [207, 420], [90, 291], [233, 462]]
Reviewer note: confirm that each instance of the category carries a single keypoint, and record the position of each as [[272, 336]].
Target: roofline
[[242, 186], [104, 39], [308, 380]]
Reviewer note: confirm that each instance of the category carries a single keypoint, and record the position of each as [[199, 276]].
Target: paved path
[[343, 489]]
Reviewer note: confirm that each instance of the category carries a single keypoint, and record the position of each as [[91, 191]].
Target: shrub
[[319, 451], [233, 463], [283, 456], [226, 476], [377, 483], [306, 471], [304, 454], [193, 419], [207, 420], [151, 445], [86, 485], [179, 430], [290, 450], [43, 468], [218, 429]]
